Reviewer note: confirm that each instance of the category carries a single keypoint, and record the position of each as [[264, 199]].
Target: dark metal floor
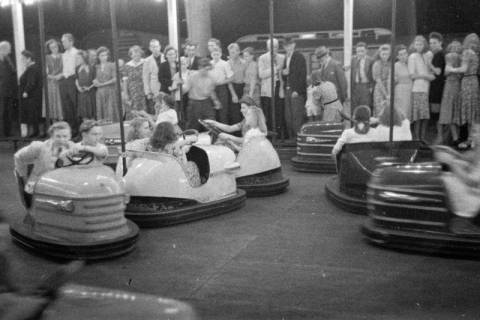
[[292, 256]]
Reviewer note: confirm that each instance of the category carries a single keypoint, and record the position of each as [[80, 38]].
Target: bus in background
[[307, 42]]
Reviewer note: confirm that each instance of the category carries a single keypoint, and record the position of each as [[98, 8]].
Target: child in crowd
[[361, 132], [326, 94], [176, 85], [253, 125], [312, 105]]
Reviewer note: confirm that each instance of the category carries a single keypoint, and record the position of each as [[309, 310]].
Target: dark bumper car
[[76, 212], [314, 147], [408, 210], [356, 163]]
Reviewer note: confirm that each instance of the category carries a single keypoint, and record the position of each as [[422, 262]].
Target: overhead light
[[308, 36]]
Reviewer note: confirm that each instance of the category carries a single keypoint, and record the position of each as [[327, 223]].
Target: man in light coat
[[265, 74], [151, 84]]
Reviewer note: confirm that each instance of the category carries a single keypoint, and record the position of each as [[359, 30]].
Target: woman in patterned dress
[[451, 93], [133, 80], [381, 75], [403, 84], [418, 62], [469, 96], [106, 77], [53, 61], [84, 81]]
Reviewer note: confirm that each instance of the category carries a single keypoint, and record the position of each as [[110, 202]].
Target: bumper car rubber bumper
[[443, 243], [23, 236], [264, 184], [342, 200], [151, 218], [320, 165]]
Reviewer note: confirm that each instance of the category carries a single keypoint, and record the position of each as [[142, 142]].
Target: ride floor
[[292, 256]]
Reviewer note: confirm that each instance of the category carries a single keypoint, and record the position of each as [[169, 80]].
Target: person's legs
[[266, 108], [222, 95], [235, 116], [298, 104], [280, 113], [289, 117]]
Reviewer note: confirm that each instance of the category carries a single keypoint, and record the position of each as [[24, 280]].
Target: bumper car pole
[[392, 70], [113, 20], [272, 67]]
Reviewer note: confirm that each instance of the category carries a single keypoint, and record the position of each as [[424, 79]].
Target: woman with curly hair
[[165, 140], [106, 77], [418, 67]]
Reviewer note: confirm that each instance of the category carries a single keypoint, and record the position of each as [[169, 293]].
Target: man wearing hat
[[332, 71], [295, 78]]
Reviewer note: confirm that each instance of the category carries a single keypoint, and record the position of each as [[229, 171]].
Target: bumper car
[[260, 171], [76, 212], [356, 163], [162, 193], [53, 299], [409, 210], [315, 142]]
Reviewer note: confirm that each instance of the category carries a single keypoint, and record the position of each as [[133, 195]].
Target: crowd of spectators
[[431, 84]]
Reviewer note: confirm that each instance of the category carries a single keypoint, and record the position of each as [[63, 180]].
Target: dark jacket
[[355, 65], [334, 73], [297, 75], [194, 65], [165, 77], [8, 79]]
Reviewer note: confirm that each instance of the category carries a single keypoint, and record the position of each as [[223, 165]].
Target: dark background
[[232, 19]]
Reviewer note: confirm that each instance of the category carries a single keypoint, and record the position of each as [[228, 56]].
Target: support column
[[172, 23], [199, 23], [18, 34], [347, 38]]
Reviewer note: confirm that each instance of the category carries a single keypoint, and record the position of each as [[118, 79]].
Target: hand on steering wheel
[[81, 158]]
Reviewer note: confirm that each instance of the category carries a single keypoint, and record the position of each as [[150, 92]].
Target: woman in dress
[[106, 97], [418, 63], [133, 81], [84, 82], [451, 94], [31, 94], [252, 82], [53, 61], [381, 75], [469, 96], [253, 125], [167, 69], [403, 84]]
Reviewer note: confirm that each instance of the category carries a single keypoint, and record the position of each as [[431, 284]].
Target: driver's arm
[[226, 127], [25, 156], [100, 151]]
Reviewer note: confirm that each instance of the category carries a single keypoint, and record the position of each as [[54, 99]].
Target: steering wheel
[[82, 158], [212, 130]]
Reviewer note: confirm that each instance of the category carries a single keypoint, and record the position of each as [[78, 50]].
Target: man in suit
[[331, 70], [295, 79], [265, 75], [151, 66], [191, 55], [361, 77], [8, 89]]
